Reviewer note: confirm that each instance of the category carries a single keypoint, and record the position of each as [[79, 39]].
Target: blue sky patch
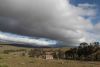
[[96, 19]]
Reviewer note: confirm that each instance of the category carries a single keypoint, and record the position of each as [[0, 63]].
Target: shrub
[[9, 51]]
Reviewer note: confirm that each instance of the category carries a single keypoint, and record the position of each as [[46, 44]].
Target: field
[[8, 60]]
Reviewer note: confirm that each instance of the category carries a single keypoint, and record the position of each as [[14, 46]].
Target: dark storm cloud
[[45, 18]]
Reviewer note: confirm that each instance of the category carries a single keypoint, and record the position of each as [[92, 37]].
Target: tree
[[84, 44], [35, 52], [82, 50], [71, 53]]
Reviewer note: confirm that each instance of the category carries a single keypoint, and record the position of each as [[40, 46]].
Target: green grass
[[3, 65]]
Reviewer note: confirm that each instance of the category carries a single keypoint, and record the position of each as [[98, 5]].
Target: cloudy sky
[[49, 22]]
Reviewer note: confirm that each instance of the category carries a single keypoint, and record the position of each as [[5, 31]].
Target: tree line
[[84, 51]]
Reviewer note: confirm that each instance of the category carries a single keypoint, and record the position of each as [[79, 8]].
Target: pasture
[[9, 60], [17, 61]]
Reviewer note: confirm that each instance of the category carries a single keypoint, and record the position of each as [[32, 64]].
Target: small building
[[49, 55], [42, 54]]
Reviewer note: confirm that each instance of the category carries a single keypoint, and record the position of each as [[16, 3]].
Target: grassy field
[[7, 60]]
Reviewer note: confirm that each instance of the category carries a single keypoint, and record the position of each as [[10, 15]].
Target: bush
[[9, 51], [35, 52]]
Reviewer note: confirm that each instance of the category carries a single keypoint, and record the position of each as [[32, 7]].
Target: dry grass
[[19, 61], [24, 61]]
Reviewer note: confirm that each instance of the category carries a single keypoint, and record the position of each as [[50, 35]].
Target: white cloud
[[56, 19], [87, 9], [97, 27], [12, 38]]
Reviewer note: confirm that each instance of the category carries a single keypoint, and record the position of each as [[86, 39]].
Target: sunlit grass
[[8, 60]]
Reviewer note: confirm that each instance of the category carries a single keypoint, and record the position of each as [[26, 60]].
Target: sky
[[95, 2], [49, 22]]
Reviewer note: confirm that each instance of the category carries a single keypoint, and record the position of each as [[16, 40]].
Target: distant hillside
[[21, 46]]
